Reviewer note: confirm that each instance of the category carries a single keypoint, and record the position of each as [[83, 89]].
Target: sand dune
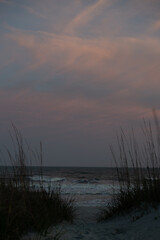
[[129, 227]]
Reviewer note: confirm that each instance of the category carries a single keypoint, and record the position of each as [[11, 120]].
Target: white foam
[[90, 192], [46, 179]]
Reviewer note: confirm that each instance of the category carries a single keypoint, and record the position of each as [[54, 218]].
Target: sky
[[73, 71]]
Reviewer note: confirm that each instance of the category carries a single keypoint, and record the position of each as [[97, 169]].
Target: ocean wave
[[46, 179], [92, 180]]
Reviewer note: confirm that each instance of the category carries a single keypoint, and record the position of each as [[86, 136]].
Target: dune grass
[[24, 208], [138, 170]]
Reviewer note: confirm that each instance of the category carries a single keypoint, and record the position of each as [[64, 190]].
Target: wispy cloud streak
[[81, 71], [86, 15]]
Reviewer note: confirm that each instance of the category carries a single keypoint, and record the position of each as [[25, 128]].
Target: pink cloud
[[127, 67], [154, 27], [44, 109], [72, 52], [86, 15]]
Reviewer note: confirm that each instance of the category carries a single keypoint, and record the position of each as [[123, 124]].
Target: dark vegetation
[[138, 169], [23, 207]]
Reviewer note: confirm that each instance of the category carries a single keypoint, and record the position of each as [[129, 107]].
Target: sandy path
[[130, 227]]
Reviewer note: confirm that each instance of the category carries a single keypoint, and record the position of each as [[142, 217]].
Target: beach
[[133, 226], [91, 193], [92, 189]]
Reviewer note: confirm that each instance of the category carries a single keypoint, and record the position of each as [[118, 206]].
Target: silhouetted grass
[[24, 208], [138, 170]]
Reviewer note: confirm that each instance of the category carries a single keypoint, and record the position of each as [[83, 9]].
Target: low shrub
[[138, 171], [24, 208]]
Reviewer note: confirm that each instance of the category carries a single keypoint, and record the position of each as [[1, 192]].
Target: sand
[[134, 226]]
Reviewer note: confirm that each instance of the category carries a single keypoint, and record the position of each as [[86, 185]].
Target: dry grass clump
[[138, 170], [24, 208]]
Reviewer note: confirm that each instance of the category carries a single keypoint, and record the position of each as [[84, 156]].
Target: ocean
[[89, 186]]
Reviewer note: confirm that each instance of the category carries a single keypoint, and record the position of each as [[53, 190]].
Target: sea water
[[89, 186]]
